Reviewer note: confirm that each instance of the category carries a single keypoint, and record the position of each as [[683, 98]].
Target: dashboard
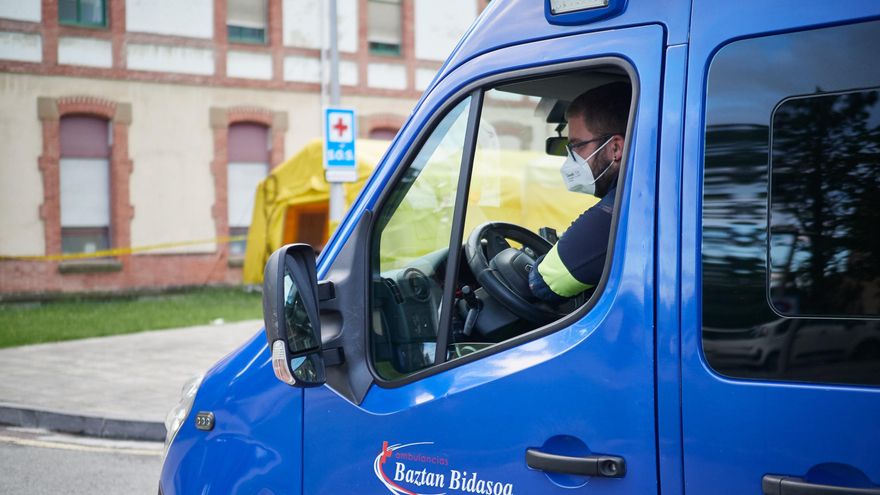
[[406, 313]]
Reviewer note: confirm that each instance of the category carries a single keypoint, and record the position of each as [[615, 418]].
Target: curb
[[119, 429]]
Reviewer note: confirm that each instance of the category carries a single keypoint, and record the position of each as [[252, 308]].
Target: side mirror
[[555, 146], [290, 313]]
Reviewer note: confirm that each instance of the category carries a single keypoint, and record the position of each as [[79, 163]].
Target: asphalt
[[110, 387]]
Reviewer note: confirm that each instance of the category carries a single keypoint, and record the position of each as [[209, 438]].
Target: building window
[[384, 33], [383, 133], [246, 21], [85, 184], [90, 13], [249, 151]]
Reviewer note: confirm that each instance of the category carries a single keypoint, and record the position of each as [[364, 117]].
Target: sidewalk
[[116, 387]]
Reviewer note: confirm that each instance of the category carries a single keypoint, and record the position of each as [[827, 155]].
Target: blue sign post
[[339, 145]]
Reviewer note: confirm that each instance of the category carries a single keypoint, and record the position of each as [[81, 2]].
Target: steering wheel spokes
[[494, 244], [503, 271]]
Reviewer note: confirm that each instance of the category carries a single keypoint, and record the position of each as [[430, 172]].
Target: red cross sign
[[339, 144], [339, 126]]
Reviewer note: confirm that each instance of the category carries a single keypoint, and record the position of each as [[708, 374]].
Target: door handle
[[604, 466], [776, 484]]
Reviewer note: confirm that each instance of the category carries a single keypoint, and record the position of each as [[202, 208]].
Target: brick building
[[131, 123]]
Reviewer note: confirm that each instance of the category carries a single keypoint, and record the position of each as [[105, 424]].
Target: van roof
[[512, 22]]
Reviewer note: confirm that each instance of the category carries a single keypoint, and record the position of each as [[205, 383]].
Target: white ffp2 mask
[[577, 174]]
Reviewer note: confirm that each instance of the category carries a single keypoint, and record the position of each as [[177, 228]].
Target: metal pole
[[334, 56], [324, 60], [337, 193]]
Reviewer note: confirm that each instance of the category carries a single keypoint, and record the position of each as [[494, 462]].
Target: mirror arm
[[560, 128], [326, 291], [334, 356]]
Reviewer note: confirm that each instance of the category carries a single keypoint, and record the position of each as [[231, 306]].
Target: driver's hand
[[540, 289]]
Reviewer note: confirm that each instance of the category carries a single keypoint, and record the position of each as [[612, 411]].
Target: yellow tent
[[291, 204], [521, 187]]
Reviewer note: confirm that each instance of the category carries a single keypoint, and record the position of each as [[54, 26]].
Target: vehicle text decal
[[405, 471]]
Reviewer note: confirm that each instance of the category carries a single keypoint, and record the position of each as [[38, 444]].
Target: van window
[[517, 205], [824, 205], [791, 281], [409, 251]]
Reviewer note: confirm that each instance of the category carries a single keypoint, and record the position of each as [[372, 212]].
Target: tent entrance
[[306, 223]]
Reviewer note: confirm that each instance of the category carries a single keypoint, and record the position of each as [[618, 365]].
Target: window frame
[[476, 89], [105, 21], [119, 114]]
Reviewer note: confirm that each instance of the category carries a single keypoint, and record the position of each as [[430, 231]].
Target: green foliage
[[34, 323]]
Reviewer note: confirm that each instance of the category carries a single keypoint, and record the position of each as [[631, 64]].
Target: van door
[[574, 391], [781, 279]]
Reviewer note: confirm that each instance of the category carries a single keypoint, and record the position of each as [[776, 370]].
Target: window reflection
[[841, 351], [825, 205], [819, 261], [409, 252]]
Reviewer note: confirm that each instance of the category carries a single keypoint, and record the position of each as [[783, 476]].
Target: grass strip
[[35, 323]]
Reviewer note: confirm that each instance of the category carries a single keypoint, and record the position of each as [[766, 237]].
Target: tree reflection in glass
[[825, 205]]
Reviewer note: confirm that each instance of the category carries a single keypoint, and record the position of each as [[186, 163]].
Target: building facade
[[142, 126]]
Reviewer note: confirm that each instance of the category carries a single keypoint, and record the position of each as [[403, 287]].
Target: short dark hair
[[605, 109]]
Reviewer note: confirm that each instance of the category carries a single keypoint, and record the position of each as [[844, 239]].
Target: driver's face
[[585, 143]]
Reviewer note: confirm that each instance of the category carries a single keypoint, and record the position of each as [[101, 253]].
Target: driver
[[596, 128]]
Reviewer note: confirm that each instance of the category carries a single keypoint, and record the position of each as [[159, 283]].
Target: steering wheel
[[503, 271]]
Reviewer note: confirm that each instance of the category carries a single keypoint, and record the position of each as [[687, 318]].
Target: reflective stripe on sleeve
[[557, 276]]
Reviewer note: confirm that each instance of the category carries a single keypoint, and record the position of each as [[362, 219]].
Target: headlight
[[178, 414]]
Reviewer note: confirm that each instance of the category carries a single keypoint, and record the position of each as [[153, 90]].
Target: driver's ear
[[617, 147]]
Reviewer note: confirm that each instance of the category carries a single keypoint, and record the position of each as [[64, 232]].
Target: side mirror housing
[[290, 314]]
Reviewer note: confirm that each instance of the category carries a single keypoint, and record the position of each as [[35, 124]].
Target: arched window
[[249, 151], [384, 133], [84, 183]]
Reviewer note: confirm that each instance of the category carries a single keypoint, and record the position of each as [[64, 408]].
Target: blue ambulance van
[[731, 346]]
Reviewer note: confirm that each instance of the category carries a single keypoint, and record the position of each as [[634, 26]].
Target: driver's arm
[[576, 262]]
